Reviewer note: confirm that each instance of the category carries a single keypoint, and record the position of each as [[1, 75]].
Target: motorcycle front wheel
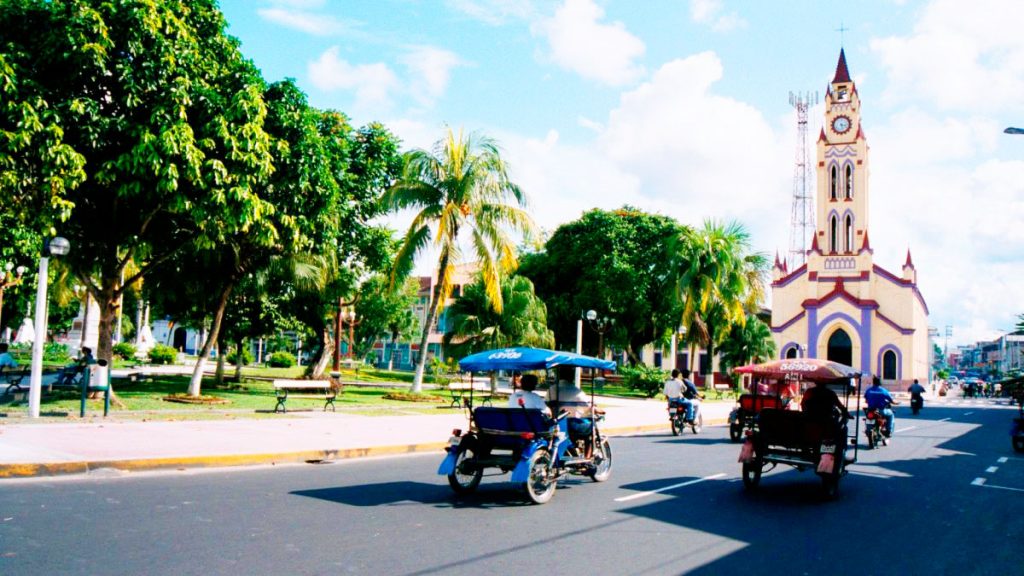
[[698, 424], [602, 462], [540, 487]]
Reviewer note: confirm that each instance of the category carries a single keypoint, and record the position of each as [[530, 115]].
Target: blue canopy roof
[[529, 359]]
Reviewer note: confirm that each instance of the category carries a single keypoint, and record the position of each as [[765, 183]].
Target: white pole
[[36, 379], [579, 349], [672, 350]]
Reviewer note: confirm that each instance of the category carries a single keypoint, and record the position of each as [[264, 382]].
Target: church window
[[849, 182], [833, 234], [889, 365], [833, 184], [849, 233]]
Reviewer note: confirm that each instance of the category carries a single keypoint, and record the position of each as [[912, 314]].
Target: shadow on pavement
[[487, 495]]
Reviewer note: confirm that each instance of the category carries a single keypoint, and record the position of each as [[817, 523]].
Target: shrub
[[124, 350], [162, 354], [246, 357], [55, 352], [281, 360], [646, 379]]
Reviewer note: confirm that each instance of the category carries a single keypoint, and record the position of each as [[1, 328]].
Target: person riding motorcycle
[[916, 394], [691, 397], [880, 399], [673, 389]]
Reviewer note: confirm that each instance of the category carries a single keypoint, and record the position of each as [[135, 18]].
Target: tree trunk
[[494, 382], [319, 366], [394, 348], [106, 299], [239, 359], [195, 385], [219, 378]]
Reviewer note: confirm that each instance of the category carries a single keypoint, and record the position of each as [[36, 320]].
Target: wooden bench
[[461, 390], [315, 389]]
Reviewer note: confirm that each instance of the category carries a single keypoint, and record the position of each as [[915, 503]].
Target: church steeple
[[842, 73]]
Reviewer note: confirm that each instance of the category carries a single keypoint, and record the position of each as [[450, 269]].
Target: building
[[840, 305]]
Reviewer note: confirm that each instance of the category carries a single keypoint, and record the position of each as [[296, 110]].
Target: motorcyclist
[[916, 392], [880, 399], [691, 397], [674, 389]]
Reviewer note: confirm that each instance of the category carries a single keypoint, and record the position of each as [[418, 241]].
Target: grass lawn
[[251, 398]]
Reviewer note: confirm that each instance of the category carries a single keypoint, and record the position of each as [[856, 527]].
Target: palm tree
[[748, 342], [462, 184], [720, 279], [476, 326]]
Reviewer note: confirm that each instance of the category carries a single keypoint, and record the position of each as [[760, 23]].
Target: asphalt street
[[946, 497]]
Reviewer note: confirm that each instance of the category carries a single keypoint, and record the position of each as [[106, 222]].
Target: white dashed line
[[944, 420], [901, 430], [1003, 488], [991, 469], [1002, 460], [978, 482], [968, 413], [680, 485]]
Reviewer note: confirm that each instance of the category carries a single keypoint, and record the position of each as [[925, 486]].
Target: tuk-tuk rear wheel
[[735, 431], [830, 485], [1018, 443], [752, 473], [540, 487], [463, 482]]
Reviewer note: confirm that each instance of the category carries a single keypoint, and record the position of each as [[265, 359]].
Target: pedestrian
[[6, 360]]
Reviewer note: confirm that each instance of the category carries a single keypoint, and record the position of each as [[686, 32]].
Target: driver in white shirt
[[526, 394]]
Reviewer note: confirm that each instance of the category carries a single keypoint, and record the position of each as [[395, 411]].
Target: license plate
[[829, 448]]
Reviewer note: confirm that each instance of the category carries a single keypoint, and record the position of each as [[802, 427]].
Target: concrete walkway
[[45, 449]]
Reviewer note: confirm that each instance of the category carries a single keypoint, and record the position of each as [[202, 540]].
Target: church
[[840, 305]]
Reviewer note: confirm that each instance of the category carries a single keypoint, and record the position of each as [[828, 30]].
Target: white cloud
[[493, 12], [372, 83], [597, 51], [429, 70], [957, 58], [709, 12], [301, 15]]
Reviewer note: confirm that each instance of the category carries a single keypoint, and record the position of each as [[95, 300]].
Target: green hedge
[[162, 354], [281, 360], [645, 379]]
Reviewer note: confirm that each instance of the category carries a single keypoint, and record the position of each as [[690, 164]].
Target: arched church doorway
[[889, 365], [180, 338], [791, 353], [840, 348]]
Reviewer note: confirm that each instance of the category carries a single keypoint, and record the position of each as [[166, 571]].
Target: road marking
[[1001, 487], [944, 419], [978, 482], [968, 413], [680, 485], [991, 469], [901, 430], [1002, 460]]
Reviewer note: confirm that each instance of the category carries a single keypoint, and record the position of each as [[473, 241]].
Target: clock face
[[841, 124]]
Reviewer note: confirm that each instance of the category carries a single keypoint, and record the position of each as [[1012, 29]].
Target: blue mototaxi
[[535, 447]]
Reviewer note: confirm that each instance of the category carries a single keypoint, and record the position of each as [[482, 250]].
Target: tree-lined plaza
[[183, 179]]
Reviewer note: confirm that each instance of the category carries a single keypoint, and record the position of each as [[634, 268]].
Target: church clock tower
[[840, 305], [842, 170]]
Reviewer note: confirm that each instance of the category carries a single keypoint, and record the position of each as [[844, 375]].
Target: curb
[[232, 460]]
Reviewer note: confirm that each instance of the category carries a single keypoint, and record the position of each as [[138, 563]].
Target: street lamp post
[[53, 247], [6, 281], [601, 326], [350, 319]]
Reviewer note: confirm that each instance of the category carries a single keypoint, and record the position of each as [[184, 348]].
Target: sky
[[681, 108]]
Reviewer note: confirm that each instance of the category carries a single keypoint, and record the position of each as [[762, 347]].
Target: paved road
[[946, 497]]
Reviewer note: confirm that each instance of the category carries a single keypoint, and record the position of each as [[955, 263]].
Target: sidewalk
[[32, 449]]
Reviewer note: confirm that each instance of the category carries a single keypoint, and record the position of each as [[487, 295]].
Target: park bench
[[460, 392], [314, 389], [13, 378]]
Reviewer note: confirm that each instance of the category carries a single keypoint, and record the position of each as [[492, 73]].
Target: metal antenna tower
[[802, 220]]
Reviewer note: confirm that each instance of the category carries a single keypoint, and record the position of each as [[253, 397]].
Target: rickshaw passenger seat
[[795, 429], [512, 422]]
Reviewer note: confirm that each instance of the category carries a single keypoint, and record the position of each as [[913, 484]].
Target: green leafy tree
[[719, 280], [154, 127], [461, 186], [474, 324], [385, 313], [616, 263], [750, 341]]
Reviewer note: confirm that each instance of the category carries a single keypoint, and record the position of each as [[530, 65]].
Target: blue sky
[[680, 107]]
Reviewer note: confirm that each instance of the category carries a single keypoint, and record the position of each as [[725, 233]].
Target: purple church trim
[[899, 360], [790, 322], [787, 347], [897, 327], [862, 329], [901, 282], [793, 276]]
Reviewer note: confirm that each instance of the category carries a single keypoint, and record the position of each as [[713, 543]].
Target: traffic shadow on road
[[487, 495]]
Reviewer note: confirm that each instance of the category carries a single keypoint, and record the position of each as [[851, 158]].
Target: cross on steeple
[[842, 36]]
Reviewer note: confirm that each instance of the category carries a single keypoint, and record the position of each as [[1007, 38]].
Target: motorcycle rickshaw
[[538, 449], [800, 439], [1014, 387], [748, 406]]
